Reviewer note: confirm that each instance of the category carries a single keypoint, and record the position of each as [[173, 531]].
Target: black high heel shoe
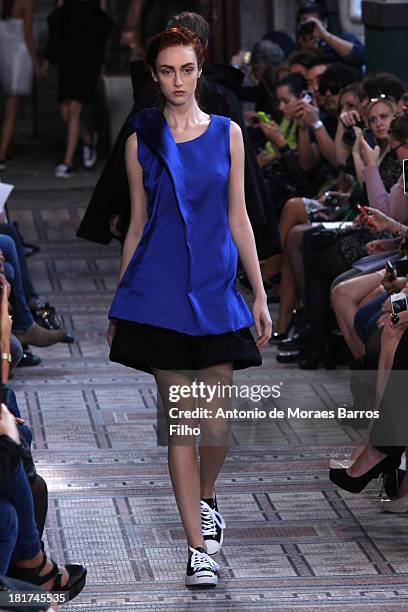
[[355, 484]]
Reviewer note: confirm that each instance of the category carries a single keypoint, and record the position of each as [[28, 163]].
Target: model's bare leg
[[11, 106], [182, 459], [214, 437], [74, 125]]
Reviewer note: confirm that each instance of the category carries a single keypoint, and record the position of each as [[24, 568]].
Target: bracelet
[[6, 357], [317, 125]]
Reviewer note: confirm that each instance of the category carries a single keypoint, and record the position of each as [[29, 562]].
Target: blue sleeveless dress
[[180, 284]]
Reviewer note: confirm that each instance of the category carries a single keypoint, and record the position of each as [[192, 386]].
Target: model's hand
[[263, 322], [111, 332]]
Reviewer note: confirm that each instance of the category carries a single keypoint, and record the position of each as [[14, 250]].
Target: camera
[[306, 29], [398, 303], [349, 136], [307, 96]]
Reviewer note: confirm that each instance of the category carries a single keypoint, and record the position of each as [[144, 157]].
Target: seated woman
[[21, 555]]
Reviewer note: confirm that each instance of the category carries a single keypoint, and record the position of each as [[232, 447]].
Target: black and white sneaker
[[89, 154], [201, 571], [213, 525], [63, 171]]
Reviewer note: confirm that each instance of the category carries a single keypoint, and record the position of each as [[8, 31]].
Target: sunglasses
[[333, 89]]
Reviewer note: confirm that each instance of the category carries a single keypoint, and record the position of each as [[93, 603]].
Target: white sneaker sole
[[203, 579], [89, 165], [64, 176]]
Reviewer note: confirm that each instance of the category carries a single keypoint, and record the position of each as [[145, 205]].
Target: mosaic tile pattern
[[293, 542]]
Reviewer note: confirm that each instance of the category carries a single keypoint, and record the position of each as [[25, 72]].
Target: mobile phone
[[391, 271], [307, 96], [263, 116], [398, 303], [405, 173], [369, 137]]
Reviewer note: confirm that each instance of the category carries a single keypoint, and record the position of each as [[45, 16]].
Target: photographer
[[312, 34], [319, 123]]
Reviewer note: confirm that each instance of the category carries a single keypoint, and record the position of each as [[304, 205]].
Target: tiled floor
[[293, 541]]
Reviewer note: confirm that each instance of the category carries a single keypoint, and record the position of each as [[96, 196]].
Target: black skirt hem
[[141, 347]]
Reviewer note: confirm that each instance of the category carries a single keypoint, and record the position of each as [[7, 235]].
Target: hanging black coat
[[219, 85]]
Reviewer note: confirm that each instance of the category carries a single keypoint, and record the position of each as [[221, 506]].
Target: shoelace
[[200, 560], [209, 519]]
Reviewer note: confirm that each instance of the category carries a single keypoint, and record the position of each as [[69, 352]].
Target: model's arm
[[138, 212], [243, 236]]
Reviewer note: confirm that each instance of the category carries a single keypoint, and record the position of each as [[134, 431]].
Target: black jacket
[[218, 90]]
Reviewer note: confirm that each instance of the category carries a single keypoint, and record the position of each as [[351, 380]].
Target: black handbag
[[351, 241]]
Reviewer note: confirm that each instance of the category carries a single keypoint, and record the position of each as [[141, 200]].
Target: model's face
[[177, 74], [287, 101], [379, 120]]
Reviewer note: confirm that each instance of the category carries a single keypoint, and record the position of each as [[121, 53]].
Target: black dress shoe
[[28, 359], [355, 484], [290, 356]]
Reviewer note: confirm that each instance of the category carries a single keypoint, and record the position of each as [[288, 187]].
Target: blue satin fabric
[[182, 274]]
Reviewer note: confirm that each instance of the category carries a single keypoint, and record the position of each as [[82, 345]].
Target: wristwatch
[[317, 125], [6, 356]]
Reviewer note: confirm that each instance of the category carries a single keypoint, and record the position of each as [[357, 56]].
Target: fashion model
[[176, 313]]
